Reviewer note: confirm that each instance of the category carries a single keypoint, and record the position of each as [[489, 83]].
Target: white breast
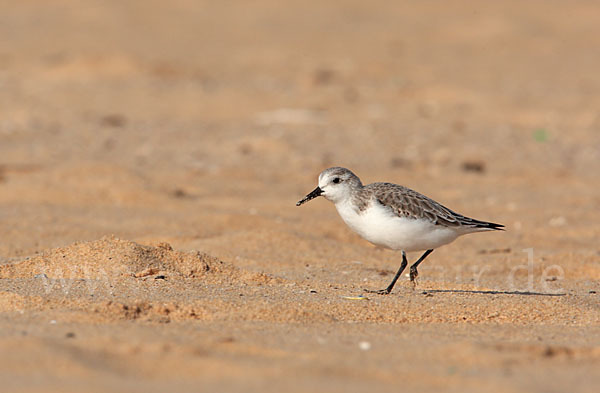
[[382, 227]]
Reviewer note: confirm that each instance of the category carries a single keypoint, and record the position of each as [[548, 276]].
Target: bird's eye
[[337, 180]]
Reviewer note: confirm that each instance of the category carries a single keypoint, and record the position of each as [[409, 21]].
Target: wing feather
[[411, 204]]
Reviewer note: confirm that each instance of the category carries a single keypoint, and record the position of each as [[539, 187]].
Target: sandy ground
[[151, 157]]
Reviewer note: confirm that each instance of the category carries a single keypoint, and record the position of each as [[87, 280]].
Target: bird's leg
[[413, 268], [387, 290]]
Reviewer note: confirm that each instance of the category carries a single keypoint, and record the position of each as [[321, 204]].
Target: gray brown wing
[[408, 203]]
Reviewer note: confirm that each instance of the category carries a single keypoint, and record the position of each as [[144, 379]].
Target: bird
[[394, 217]]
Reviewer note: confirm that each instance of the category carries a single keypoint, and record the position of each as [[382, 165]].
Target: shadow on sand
[[521, 293]]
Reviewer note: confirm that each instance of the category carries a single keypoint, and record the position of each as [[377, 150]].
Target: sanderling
[[394, 216]]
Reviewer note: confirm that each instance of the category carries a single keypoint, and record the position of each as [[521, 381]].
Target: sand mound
[[10, 301], [114, 257]]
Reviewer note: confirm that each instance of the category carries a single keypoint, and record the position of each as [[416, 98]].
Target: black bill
[[313, 194]]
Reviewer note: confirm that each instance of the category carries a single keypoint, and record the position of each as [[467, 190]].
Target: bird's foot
[[385, 291], [413, 276]]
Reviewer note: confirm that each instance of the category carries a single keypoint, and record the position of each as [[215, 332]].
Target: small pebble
[[473, 166], [557, 221], [364, 345], [178, 193]]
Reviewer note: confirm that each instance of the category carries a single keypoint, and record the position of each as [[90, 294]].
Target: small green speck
[[540, 135]]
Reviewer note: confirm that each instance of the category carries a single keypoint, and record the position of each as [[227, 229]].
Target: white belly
[[380, 226]]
